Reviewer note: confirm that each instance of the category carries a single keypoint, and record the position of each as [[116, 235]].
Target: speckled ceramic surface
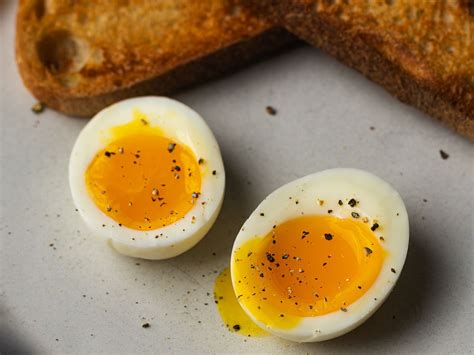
[[63, 291]]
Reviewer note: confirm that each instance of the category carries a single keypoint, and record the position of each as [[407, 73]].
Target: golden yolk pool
[[305, 267], [232, 314], [142, 179]]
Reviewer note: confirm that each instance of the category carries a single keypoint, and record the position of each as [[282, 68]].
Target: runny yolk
[[143, 180], [305, 267], [232, 314]]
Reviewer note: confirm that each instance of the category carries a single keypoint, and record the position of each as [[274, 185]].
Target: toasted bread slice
[[420, 51], [79, 56]]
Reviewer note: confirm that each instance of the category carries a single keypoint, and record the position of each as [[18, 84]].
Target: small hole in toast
[[61, 52], [40, 9]]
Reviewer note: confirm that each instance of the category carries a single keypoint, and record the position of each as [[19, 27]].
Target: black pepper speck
[[374, 227]]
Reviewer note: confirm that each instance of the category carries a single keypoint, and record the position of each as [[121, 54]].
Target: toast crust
[[436, 77], [78, 57]]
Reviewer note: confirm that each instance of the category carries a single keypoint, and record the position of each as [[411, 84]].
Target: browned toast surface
[[421, 51], [78, 56]]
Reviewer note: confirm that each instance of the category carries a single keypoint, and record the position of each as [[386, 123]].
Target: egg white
[[315, 195], [179, 123]]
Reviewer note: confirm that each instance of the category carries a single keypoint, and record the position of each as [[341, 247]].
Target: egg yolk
[[232, 314], [142, 179], [305, 267]]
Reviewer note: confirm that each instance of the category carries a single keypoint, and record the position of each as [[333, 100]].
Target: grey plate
[[79, 296]]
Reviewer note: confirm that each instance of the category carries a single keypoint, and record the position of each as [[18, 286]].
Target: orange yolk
[[308, 266], [142, 179]]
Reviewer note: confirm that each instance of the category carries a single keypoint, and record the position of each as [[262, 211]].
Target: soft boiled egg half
[[319, 255], [147, 174]]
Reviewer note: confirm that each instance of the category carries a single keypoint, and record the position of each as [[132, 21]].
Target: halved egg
[[319, 255], [147, 174]]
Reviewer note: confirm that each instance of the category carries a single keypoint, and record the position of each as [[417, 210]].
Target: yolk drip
[[305, 267], [142, 179], [234, 317]]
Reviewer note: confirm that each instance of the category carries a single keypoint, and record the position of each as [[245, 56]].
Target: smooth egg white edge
[[378, 201], [177, 122]]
